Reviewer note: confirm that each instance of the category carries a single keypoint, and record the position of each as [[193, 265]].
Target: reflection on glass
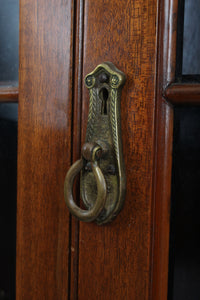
[[191, 38], [184, 263], [9, 39]]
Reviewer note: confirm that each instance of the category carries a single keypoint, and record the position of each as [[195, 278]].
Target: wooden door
[[60, 42]]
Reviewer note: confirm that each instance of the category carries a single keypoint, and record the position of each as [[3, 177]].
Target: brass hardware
[[102, 181], [91, 155]]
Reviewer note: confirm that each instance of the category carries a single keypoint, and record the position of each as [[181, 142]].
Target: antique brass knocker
[[102, 181]]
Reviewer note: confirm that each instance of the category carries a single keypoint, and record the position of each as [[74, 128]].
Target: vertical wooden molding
[[166, 65]]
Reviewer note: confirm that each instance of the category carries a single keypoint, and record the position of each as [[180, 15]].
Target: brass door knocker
[[103, 180]]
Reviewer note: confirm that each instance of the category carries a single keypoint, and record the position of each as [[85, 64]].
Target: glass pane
[[8, 179], [184, 263], [191, 38], [9, 40]]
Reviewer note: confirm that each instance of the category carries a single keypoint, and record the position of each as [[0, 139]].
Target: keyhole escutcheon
[[104, 98]]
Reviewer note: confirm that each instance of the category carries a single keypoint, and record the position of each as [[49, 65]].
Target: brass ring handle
[[103, 178], [91, 214]]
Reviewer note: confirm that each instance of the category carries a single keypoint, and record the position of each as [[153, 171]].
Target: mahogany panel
[[115, 259], [44, 148], [184, 93]]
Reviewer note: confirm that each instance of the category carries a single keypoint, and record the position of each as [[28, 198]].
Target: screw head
[[89, 81], [103, 77]]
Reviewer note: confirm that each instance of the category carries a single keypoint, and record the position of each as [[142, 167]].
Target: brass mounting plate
[[104, 128]]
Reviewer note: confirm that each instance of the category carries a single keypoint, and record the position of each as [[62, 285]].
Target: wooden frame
[[169, 93]]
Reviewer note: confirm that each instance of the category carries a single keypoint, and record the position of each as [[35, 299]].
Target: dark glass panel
[[8, 182], [184, 262], [9, 40], [191, 38]]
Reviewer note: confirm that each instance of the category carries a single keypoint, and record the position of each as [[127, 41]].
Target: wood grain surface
[[115, 259], [44, 148]]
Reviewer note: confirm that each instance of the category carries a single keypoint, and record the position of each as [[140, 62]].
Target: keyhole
[[104, 98]]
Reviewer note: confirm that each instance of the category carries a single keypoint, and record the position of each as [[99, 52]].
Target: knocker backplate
[[104, 129]]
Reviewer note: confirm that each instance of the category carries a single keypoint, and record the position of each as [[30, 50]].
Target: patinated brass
[[102, 158]]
